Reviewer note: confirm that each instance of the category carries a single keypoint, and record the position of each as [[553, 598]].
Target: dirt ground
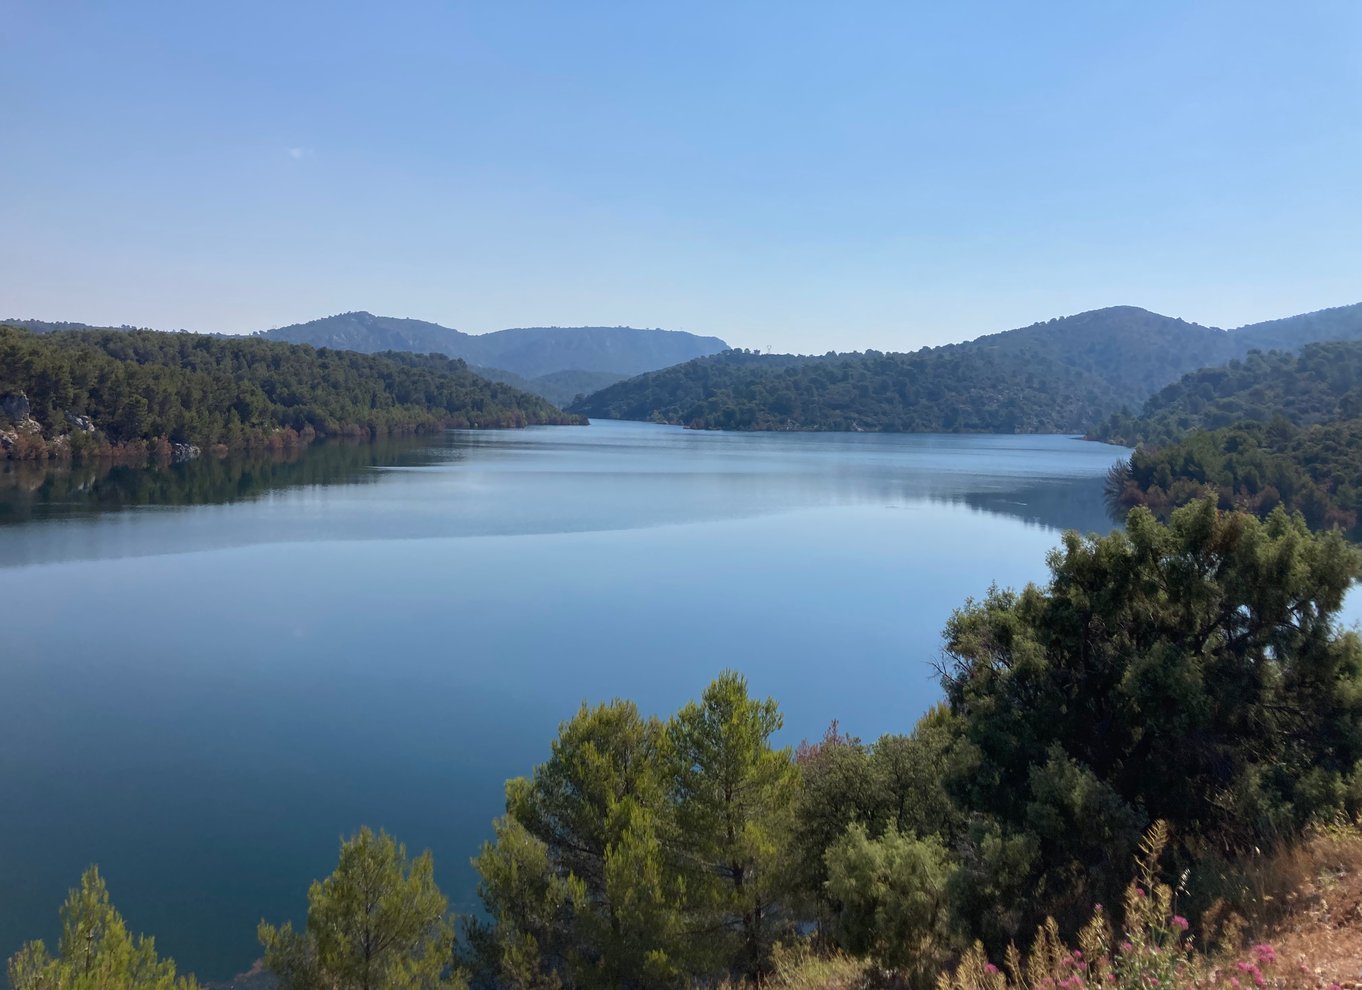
[[1320, 939]]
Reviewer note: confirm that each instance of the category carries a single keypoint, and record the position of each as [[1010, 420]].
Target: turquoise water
[[209, 676]]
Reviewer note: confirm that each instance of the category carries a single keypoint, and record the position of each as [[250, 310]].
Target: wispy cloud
[[299, 153]]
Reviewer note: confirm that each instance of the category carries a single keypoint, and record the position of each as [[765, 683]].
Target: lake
[[213, 672]]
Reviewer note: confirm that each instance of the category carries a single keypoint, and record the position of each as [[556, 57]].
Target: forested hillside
[[79, 393], [557, 363], [1061, 376], [1321, 383], [944, 390], [1273, 429], [1314, 470]]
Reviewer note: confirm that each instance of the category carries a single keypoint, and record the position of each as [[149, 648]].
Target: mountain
[[139, 392], [559, 387], [370, 334], [1064, 375], [530, 352]]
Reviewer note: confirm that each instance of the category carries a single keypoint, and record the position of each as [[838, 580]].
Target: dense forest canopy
[[944, 390], [1061, 376], [1314, 470], [1272, 429], [1321, 383], [557, 363], [85, 392]]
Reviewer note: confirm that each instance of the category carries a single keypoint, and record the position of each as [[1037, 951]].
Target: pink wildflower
[[1265, 953], [1180, 923], [990, 969], [1139, 891]]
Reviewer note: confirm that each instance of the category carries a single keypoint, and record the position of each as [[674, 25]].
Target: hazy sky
[[804, 176]]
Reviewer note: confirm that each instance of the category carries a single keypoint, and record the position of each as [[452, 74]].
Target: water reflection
[[610, 476], [32, 491]]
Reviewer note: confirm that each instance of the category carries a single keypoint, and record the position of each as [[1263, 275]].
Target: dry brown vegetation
[[1294, 922]]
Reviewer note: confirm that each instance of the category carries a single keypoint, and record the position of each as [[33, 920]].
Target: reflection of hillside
[[561, 481], [1069, 503], [48, 490]]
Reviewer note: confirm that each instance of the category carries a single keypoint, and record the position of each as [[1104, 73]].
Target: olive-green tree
[[378, 922], [96, 951], [895, 785], [893, 893]]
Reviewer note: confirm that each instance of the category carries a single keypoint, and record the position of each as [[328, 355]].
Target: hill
[[946, 390], [530, 352], [137, 392], [1063, 375], [1275, 428], [1323, 382]]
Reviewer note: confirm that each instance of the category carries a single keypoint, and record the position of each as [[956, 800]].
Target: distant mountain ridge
[[530, 352], [1065, 375]]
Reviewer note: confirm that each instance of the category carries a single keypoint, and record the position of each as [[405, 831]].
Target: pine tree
[[583, 890], [734, 796], [378, 922], [96, 951]]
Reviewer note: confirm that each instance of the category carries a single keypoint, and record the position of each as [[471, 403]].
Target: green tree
[[378, 922], [96, 951], [837, 789], [893, 892], [735, 797], [891, 790], [581, 883], [1191, 672]]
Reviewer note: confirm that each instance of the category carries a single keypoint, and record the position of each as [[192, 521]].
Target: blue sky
[[800, 176]]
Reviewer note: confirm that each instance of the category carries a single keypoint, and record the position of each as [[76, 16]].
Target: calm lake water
[[213, 672]]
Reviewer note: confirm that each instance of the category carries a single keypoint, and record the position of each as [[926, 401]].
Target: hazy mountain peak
[[530, 352]]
